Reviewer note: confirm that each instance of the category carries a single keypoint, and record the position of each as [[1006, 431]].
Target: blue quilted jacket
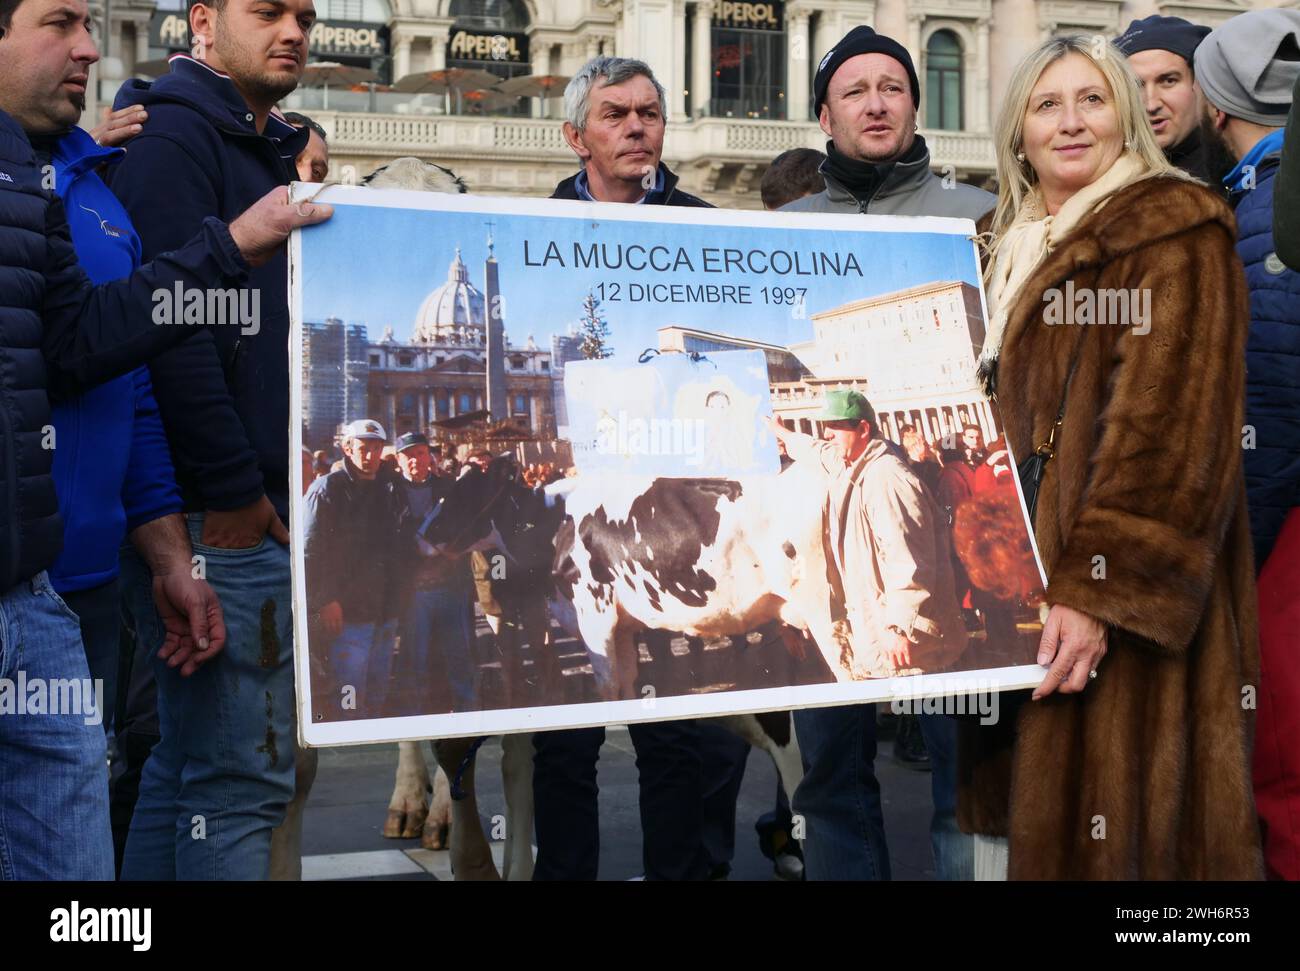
[[1273, 350]]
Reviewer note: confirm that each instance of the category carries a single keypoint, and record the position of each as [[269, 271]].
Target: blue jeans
[[219, 779], [53, 767], [954, 851], [440, 622], [361, 657], [839, 797]]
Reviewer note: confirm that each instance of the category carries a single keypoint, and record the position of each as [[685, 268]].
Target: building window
[[521, 405], [943, 82], [518, 363], [407, 405], [405, 359], [443, 405], [546, 365], [374, 360], [464, 403], [748, 61]]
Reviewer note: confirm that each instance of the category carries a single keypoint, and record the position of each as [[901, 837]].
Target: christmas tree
[[593, 330]]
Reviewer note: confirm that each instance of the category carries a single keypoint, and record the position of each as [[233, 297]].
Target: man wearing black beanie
[[1159, 50], [867, 94]]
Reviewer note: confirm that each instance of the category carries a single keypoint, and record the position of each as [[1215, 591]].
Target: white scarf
[[1034, 235]]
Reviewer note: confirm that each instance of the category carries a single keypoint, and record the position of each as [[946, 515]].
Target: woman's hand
[[1073, 643]]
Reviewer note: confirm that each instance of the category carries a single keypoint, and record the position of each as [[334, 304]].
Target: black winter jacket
[[224, 396], [58, 333]]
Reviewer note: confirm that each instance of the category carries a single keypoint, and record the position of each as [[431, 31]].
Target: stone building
[[738, 74]]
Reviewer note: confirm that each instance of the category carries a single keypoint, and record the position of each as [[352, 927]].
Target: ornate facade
[[738, 74]]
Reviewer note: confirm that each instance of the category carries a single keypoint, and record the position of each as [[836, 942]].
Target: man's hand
[[119, 127], [191, 615], [241, 529], [331, 618], [899, 650], [267, 223]]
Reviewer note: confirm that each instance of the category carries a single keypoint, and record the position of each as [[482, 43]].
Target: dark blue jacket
[[1272, 353], [58, 332], [111, 470], [224, 396]]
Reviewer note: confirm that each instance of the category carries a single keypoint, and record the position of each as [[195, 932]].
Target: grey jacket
[[911, 189]]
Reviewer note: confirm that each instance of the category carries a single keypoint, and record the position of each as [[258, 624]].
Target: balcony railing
[[724, 140]]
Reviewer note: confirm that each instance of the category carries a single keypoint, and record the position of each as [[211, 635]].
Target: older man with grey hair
[[614, 121], [615, 117]]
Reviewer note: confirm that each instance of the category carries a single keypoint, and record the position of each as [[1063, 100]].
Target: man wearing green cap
[[889, 543], [892, 555]]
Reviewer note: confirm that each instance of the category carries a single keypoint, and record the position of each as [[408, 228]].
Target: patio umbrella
[[543, 86], [322, 74], [488, 99], [536, 86], [448, 79]]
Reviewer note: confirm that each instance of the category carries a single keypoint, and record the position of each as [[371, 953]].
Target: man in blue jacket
[[212, 144], [61, 334], [1247, 69], [112, 471]]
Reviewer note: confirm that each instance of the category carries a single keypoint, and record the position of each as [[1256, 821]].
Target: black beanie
[[1157, 33], [862, 40]]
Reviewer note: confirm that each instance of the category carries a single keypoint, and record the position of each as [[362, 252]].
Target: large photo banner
[[570, 464]]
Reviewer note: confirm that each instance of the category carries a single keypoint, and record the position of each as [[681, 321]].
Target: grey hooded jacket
[[910, 189]]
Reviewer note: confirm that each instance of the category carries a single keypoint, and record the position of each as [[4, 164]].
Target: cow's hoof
[[435, 837], [404, 825]]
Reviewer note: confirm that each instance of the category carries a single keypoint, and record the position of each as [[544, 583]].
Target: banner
[[612, 527]]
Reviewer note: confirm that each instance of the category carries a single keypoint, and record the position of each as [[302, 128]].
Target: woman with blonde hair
[[1115, 351]]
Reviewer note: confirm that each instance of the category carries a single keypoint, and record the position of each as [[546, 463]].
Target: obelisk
[[494, 311]]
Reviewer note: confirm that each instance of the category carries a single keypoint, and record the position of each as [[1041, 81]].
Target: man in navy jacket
[[61, 334], [211, 144]]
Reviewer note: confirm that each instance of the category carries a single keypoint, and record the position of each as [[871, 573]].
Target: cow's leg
[[626, 661], [784, 750], [597, 625], [407, 809], [286, 839], [517, 779], [437, 827], [471, 857]]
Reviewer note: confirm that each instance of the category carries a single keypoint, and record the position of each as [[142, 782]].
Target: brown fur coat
[[1146, 774]]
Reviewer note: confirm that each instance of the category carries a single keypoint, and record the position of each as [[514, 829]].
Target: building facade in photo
[[442, 372], [738, 75], [934, 333]]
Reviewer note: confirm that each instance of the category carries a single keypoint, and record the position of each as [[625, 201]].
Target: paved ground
[[345, 815]]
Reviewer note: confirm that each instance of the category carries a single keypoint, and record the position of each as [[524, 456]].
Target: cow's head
[[476, 512]]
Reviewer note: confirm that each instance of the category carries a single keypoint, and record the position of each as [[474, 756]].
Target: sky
[[376, 265]]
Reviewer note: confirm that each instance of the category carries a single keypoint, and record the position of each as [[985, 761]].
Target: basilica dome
[[453, 313]]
